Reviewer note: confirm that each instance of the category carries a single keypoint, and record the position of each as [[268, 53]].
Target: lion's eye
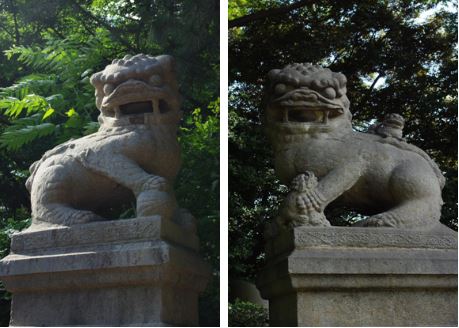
[[280, 88], [329, 92], [108, 88], [155, 80]]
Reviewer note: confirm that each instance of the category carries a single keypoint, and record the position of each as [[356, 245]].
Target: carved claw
[[308, 202], [319, 220], [315, 200]]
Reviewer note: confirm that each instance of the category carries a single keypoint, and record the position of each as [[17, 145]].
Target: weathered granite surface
[[308, 121], [136, 272], [341, 276]]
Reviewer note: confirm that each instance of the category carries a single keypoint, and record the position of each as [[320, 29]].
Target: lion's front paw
[[311, 219], [155, 202], [156, 183], [320, 220], [308, 202], [381, 220], [79, 217]]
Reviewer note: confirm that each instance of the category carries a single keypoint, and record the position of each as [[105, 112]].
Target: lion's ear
[[167, 62], [341, 78], [99, 93], [95, 79], [272, 74]]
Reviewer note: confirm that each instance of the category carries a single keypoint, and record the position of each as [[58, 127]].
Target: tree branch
[[374, 83], [59, 34], [113, 30], [15, 20], [368, 94], [244, 20]]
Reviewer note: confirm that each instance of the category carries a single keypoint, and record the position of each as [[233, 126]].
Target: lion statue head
[[138, 89], [306, 98]]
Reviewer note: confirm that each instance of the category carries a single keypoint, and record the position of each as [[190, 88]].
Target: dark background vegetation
[[48, 51], [396, 59]]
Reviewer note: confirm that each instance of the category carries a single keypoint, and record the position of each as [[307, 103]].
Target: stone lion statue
[[378, 174], [134, 155]]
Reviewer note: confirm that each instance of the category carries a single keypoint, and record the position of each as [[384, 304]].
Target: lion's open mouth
[[137, 108], [141, 107], [304, 106], [302, 115], [134, 98], [307, 115], [135, 102]]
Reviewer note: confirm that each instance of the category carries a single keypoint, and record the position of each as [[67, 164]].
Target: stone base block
[[137, 272], [341, 276]]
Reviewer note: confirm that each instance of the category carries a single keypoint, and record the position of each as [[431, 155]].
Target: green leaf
[[15, 139], [34, 103], [15, 108], [71, 112], [55, 100], [48, 113], [87, 72], [6, 103]]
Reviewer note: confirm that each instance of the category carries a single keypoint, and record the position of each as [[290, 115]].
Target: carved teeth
[[117, 112], [155, 105], [285, 115], [319, 116], [308, 116]]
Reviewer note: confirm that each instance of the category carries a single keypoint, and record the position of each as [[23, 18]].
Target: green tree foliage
[[399, 56], [49, 51], [247, 314], [197, 189]]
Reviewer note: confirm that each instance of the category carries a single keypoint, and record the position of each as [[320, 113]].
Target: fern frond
[[7, 102], [35, 103], [18, 135], [52, 58], [14, 107], [34, 83], [23, 122]]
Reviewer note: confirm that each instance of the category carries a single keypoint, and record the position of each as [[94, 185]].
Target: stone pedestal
[[341, 276], [136, 272]]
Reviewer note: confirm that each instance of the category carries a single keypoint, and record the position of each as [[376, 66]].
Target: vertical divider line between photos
[[224, 164]]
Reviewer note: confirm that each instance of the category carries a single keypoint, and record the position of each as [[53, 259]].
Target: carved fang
[[319, 116], [285, 116], [155, 105], [117, 112]]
